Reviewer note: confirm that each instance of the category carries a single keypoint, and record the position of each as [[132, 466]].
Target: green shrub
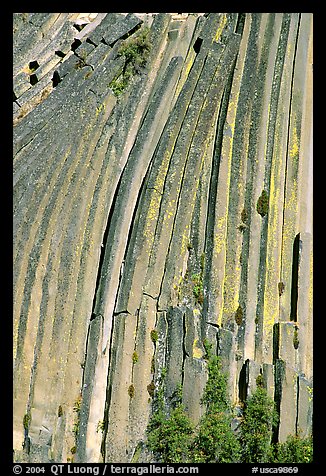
[[169, 432], [135, 51], [26, 421], [134, 358], [260, 380], [198, 289], [153, 365], [296, 338], [281, 287], [77, 404], [215, 392], [239, 315], [151, 388], [262, 204], [173, 439], [136, 48], [131, 391], [242, 227], [244, 215], [154, 336], [259, 417], [215, 441], [294, 450], [100, 426], [244, 218]]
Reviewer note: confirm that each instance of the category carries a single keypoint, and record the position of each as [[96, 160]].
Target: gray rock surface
[[137, 233]]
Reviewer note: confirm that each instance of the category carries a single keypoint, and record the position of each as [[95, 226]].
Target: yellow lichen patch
[[221, 26], [100, 108], [151, 217], [271, 297], [292, 202], [155, 201], [197, 352], [295, 146], [310, 392], [184, 75], [185, 240]]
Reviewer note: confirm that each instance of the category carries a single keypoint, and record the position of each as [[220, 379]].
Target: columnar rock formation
[[144, 223]]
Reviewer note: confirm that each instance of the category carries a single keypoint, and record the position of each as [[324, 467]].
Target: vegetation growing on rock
[[262, 204], [239, 315], [134, 358], [131, 391], [259, 418], [154, 336], [198, 290], [26, 420], [135, 52], [173, 439]]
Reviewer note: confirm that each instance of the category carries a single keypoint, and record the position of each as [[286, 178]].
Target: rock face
[[145, 222]]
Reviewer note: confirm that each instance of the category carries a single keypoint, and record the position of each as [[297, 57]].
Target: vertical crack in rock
[[297, 429], [279, 373], [185, 354], [276, 342], [104, 243], [240, 23], [243, 382], [297, 245]]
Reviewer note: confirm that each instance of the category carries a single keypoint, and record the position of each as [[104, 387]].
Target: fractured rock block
[[287, 389], [305, 407]]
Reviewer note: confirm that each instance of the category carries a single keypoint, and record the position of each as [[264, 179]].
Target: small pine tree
[[259, 417], [215, 441], [215, 393], [294, 450], [170, 432]]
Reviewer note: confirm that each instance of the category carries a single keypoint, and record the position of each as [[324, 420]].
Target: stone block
[[21, 84], [287, 390], [105, 26], [120, 380], [174, 349], [305, 407], [122, 29], [269, 379], [194, 381], [289, 340]]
